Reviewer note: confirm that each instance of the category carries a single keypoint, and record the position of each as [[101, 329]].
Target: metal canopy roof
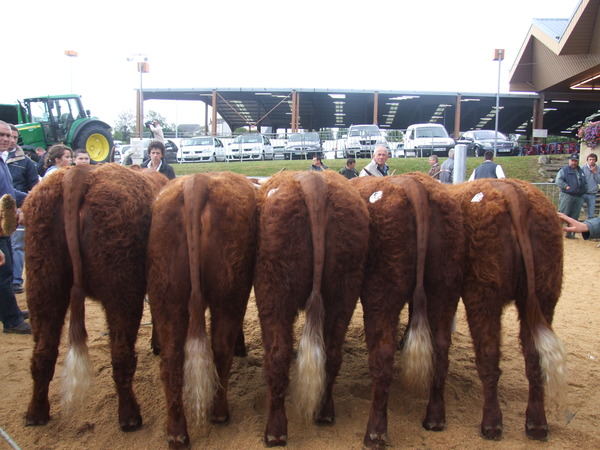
[[318, 109]]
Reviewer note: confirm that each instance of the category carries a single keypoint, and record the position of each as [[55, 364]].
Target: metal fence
[[550, 190]]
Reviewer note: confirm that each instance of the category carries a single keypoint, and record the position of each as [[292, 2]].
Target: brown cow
[[201, 255], [87, 230], [311, 254], [515, 253], [415, 256]]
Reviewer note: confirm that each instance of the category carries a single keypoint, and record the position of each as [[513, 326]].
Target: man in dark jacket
[[24, 177], [571, 181], [349, 171]]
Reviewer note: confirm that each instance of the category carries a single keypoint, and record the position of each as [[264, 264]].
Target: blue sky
[[385, 45]]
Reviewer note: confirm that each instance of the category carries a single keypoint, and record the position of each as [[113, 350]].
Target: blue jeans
[[590, 201], [17, 240], [10, 314]]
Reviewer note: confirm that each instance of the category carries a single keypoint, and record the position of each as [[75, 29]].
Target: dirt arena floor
[[577, 323]]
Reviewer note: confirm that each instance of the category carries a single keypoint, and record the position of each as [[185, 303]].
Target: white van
[[425, 139]]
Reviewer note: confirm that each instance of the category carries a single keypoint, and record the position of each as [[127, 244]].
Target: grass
[[521, 167]]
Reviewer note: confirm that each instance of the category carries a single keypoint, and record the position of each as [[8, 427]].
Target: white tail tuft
[[553, 362], [200, 377], [77, 377], [417, 354], [309, 383]]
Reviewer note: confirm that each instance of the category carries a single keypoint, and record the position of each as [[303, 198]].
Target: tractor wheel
[[96, 140]]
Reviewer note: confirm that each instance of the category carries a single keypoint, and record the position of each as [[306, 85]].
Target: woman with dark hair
[[59, 155], [157, 161]]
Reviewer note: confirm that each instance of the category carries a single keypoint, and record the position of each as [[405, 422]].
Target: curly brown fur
[[210, 266], [284, 279], [503, 244], [113, 211]]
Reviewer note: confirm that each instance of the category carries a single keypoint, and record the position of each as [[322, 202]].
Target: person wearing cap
[[572, 183]]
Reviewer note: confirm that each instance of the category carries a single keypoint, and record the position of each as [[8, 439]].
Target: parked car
[[202, 149], [426, 139], [250, 146], [479, 141], [362, 140], [304, 146]]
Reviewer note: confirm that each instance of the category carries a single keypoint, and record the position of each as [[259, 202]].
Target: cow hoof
[[221, 420], [36, 422], [275, 441], [537, 432], [491, 433], [375, 440], [431, 425], [325, 420], [181, 441], [131, 425]]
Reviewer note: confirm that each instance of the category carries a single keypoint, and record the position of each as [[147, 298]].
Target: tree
[[124, 126]]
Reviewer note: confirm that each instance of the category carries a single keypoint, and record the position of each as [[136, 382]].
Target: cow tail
[[552, 354], [78, 370], [417, 352], [309, 383], [200, 375]]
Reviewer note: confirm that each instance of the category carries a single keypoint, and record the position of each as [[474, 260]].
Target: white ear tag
[[477, 198], [375, 196]]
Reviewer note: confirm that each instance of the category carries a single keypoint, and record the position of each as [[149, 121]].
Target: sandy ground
[[577, 322]]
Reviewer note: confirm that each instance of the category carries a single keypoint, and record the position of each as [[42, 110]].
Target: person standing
[[447, 170], [13, 319], [571, 181], [435, 169], [24, 177], [377, 167], [157, 131], [592, 179], [350, 170], [317, 164], [488, 169], [156, 151]]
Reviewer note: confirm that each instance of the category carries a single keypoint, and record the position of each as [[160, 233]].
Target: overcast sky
[[434, 45]]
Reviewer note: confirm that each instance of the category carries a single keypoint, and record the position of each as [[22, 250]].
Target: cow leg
[[334, 333], [441, 329], [240, 345], [46, 334], [226, 329], [536, 425], [484, 313], [277, 341], [124, 324], [172, 331], [380, 330]]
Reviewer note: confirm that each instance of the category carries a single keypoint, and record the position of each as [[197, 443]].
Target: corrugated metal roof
[[554, 28]]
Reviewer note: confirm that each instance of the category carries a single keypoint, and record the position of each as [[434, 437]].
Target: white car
[[202, 149], [362, 140], [250, 146], [426, 139]]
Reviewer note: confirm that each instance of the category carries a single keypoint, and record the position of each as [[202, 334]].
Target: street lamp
[[71, 54], [142, 67], [498, 56]]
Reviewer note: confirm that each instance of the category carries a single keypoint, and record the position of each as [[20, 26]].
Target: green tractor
[[44, 121]]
